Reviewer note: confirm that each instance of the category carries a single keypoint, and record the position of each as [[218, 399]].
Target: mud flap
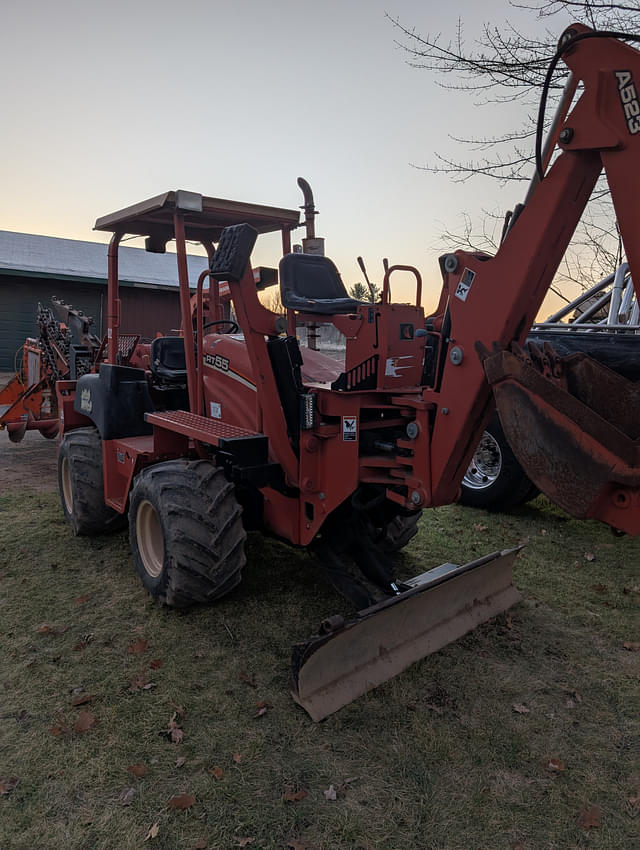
[[333, 668]]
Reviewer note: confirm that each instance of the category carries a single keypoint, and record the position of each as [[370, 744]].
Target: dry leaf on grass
[[81, 699], [181, 801], [140, 683], [216, 772], [127, 796], [346, 785], [243, 842], [294, 796], [590, 818], [521, 709], [589, 556], [138, 646], [180, 761], [59, 729], [80, 600], [174, 732], [634, 804], [85, 722], [330, 793], [237, 758], [261, 709], [84, 642], [48, 629], [156, 664], [555, 765], [176, 735], [153, 831], [632, 645], [600, 588], [7, 785], [138, 770]]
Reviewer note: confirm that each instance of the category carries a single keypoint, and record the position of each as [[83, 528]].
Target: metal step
[[201, 428]]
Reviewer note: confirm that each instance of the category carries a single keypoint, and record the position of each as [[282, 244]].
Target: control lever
[[366, 277]]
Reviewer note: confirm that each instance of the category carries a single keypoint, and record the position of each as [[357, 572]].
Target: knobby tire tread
[[204, 536], [90, 515]]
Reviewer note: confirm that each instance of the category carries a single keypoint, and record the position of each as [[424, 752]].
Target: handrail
[[385, 284]]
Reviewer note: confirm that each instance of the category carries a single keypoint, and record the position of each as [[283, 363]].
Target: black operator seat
[[168, 362], [311, 283]]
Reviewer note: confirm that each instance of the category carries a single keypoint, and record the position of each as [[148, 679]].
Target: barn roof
[[26, 254]]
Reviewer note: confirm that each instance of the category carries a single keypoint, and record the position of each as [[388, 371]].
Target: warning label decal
[[463, 288], [350, 428]]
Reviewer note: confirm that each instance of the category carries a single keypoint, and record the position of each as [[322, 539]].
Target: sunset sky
[[105, 104]]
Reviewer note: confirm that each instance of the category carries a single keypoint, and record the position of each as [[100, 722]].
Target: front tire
[[186, 532], [81, 484]]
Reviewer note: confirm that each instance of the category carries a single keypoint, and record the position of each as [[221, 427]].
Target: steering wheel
[[233, 327]]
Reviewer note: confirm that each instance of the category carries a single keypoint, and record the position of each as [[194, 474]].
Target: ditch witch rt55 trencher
[[235, 425]]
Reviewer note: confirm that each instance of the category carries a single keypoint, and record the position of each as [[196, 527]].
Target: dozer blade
[[574, 426], [332, 669]]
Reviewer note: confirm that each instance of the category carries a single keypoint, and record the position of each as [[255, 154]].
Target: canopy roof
[[204, 217]]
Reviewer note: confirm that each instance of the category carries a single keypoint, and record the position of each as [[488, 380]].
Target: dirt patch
[[30, 464]]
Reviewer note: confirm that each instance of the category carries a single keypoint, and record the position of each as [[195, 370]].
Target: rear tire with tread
[[186, 532], [495, 480], [397, 533], [81, 485]]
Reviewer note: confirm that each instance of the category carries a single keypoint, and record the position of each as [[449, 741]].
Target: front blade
[[332, 669]]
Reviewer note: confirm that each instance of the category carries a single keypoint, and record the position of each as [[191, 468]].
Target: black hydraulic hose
[[567, 45]]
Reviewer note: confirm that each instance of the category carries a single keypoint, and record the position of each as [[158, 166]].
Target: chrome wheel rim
[[486, 464], [150, 538]]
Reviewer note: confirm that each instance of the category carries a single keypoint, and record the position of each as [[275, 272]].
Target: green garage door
[[19, 297]]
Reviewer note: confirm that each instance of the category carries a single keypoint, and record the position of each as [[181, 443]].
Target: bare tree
[[504, 66]]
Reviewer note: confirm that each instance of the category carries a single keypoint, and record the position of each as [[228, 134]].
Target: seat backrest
[[312, 284], [168, 361]]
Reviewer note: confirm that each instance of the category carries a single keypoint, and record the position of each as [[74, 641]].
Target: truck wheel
[[398, 532], [494, 479], [81, 486], [186, 532]]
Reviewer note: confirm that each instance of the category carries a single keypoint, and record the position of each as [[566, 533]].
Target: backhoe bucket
[[573, 425], [348, 659]]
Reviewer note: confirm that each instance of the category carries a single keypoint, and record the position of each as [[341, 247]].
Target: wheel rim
[[486, 464], [150, 538], [67, 491]]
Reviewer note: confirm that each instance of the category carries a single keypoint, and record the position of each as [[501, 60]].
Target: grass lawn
[[524, 734]]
